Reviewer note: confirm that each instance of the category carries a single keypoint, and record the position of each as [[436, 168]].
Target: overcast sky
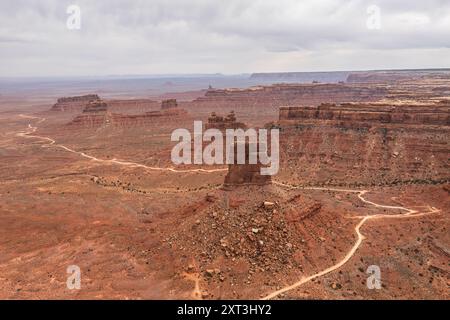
[[221, 36]]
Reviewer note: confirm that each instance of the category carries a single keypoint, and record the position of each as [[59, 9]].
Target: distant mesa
[[98, 113], [305, 77], [283, 94], [379, 77], [396, 75], [77, 104], [74, 104], [374, 76], [85, 98]]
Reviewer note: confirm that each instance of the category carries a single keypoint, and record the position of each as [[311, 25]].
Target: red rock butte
[[245, 174], [222, 123], [238, 174]]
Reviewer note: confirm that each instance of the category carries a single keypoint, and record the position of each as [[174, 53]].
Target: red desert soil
[[350, 193]]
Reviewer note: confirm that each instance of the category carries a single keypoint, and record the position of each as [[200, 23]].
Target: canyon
[[363, 180]]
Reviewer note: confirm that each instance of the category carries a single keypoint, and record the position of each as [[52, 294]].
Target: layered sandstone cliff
[[132, 106], [93, 115], [258, 105], [366, 144], [282, 94], [351, 113], [395, 76], [98, 113], [151, 117], [169, 104], [126, 106]]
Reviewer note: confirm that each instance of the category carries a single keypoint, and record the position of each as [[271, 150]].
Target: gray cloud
[[204, 36]]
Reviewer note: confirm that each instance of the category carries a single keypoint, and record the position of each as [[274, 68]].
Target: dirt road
[[32, 129], [360, 237]]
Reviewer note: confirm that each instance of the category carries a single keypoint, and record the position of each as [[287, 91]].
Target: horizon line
[[216, 74]]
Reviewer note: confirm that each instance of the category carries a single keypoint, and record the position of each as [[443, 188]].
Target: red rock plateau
[[363, 181], [349, 114], [73, 104], [370, 143], [265, 100], [396, 76], [97, 114], [127, 106], [282, 94]]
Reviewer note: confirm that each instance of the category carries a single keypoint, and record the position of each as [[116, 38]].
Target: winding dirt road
[[32, 129], [360, 237]]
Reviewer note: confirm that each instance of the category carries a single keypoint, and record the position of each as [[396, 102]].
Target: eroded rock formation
[[125, 106], [122, 120], [98, 113], [245, 174], [222, 123], [73, 104], [282, 94], [132, 106], [366, 144], [169, 104], [93, 115], [430, 114], [96, 106]]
